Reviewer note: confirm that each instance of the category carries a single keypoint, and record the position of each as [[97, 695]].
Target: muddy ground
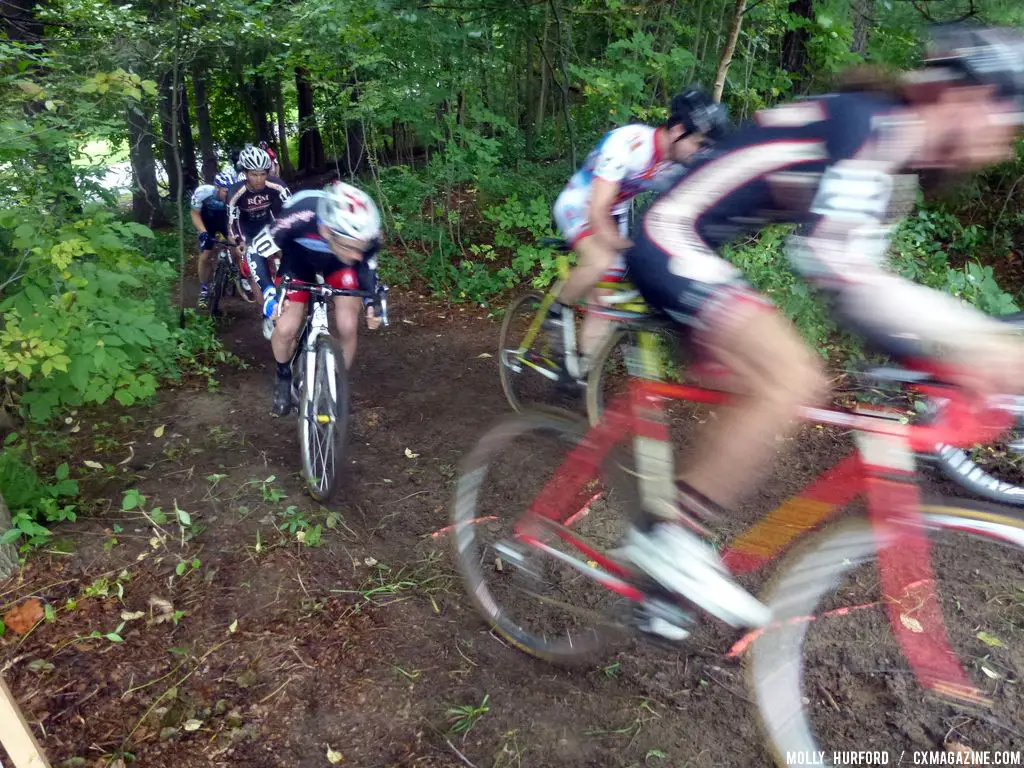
[[237, 644]]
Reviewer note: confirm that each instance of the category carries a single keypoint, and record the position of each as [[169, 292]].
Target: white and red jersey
[[628, 156]]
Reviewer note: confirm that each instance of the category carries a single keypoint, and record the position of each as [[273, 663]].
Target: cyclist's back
[[212, 210], [772, 169]]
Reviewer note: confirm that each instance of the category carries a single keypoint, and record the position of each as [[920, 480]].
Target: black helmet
[[983, 55], [695, 110]]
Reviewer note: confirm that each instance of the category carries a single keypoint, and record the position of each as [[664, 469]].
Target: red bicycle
[[535, 528]]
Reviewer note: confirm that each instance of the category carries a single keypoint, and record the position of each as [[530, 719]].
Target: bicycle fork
[[907, 578]]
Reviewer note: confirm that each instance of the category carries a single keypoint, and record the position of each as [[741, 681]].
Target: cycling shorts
[[572, 216], [354, 277], [707, 297]]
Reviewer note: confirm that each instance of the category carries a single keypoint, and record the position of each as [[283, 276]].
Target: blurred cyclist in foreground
[[832, 165]]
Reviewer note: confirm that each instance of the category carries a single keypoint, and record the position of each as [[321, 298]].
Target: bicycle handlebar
[[378, 296]]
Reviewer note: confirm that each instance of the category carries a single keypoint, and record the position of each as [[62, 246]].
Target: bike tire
[[325, 396], [514, 383], [601, 370], [217, 289], [468, 549], [957, 465], [776, 660]]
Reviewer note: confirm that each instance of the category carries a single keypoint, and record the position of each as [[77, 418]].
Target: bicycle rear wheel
[[535, 598], [217, 285], [829, 668], [531, 376], [323, 419]]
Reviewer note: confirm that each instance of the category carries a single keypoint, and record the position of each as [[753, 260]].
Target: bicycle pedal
[[663, 622]]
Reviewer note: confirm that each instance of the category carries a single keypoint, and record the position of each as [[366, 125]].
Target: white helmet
[[254, 159], [349, 212]]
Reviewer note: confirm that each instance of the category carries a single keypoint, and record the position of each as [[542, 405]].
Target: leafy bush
[[30, 499]]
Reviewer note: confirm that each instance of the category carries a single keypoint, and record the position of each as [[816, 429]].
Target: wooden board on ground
[[15, 735]]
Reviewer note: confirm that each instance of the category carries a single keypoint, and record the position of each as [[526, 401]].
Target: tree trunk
[[311, 146], [206, 145], [167, 135], [863, 17], [145, 196], [725, 59], [564, 42], [282, 137], [538, 123], [794, 42], [8, 552], [528, 87], [186, 143]]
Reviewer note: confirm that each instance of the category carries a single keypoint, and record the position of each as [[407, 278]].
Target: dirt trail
[[288, 655]]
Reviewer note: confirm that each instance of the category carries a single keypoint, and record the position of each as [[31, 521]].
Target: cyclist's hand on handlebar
[[373, 320], [204, 241], [270, 301]]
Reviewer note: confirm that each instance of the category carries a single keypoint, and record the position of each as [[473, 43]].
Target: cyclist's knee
[[346, 318], [593, 256]]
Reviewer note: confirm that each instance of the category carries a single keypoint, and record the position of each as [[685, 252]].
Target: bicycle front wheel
[[828, 675], [220, 278], [529, 366], [323, 419], [539, 599]]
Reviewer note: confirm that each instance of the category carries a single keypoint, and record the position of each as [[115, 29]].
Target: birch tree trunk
[[725, 58]]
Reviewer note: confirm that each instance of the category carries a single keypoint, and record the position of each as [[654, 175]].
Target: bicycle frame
[[880, 467], [628, 309]]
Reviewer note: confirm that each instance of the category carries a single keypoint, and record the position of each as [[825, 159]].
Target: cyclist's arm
[[283, 193], [857, 205], [603, 196], [199, 197], [234, 225], [197, 221], [611, 167], [366, 272]]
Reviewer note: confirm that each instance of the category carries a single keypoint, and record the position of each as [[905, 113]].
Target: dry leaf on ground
[[24, 616]]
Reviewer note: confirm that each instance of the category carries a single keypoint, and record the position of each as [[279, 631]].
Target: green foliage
[[32, 500]]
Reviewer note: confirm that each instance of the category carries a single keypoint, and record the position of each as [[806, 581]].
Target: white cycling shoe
[[683, 563]]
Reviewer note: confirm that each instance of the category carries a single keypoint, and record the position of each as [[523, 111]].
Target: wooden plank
[[15, 735]]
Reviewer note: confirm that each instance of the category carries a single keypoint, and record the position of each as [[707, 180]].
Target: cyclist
[[275, 167], [591, 211], [254, 203], [334, 233], [959, 112], [210, 217]]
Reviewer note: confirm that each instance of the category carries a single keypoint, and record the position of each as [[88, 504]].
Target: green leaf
[[49, 613], [132, 500], [183, 517], [990, 640], [158, 516], [10, 536], [61, 473]]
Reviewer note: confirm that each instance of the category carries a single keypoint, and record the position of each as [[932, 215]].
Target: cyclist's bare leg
[[594, 326], [286, 331], [205, 266], [346, 321], [594, 259], [780, 374]]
